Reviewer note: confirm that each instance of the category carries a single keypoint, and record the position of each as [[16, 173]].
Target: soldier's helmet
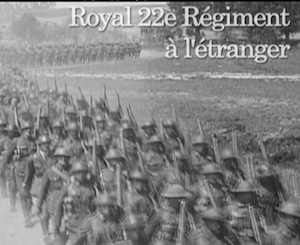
[[100, 101], [100, 118], [169, 123], [176, 191], [71, 110], [209, 169], [17, 98], [198, 140], [73, 126], [132, 222], [27, 125], [291, 209], [115, 111], [155, 139], [105, 200], [244, 187], [3, 122], [44, 115], [149, 124], [11, 128], [127, 126], [58, 124], [215, 214], [44, 139], [114, 154], [228, 154], [162, 242], [79, 167], [137, 175], [62, 152]]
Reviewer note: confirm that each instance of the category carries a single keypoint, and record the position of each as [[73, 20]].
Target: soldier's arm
[[58, 210], [44, 190], [10, 152]]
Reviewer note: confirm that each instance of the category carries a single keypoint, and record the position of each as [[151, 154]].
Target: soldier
[[245, 225], [35, 168], [164, 225], [87, 126], [101, 107], [7, 163], [27, 135], [155, 161], [232, 169], [44, 127], [71, 115], [76, 201], [3, 124], [141, 198], [22, 157], [202, 153], [73, 143], [59, 134], [149, 129], [216, 221], [287, 231], [173, 137], [128, 143], [54, 179], [104, 227], [135, 226], [101, 131], [212, 187]]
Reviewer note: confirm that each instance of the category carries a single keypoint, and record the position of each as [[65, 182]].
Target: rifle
[[105, 98], [234, 142], [119, 185], [200, 127], [37, 128], [64, 116], [17, 119], [174, 113], [254, 226], [26, 101], [55, 85], [262, 148], [82, 95], [216, 149], [91, 106], [181, 223], [295, 187], [210, 194], [120, 106], [37, 89], [133, 117]]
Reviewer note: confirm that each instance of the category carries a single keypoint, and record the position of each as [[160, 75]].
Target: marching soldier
[[35, 168], [71, 115], [149, 129], [232, 168], [101, 107], [155, 161], [7, 163], [21, 158], [73, 143], [3, 124], [141, 198], [59, 135], [173, 137], [54, 179], [76, 202], [104, 227], [87, 126], [164, 225]]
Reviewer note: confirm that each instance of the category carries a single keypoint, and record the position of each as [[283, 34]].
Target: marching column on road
[[68, 54], [93, 176]]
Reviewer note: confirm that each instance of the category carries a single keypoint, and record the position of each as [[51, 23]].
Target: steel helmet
[[114, 154], [138, 175], [133, 222], [62, 152], [245, 186], [79, 167], [149, 124], [176, 191], [291, 209], [27, 125], [211, 169], [214, 214], [58, 124], [73, 126], [155, 139], [44, 139], [105, 200], [198, 140]]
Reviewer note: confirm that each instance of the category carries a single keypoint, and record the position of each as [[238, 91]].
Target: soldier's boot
[[3, 186], [12, 202], [24, 201], [45, 224]]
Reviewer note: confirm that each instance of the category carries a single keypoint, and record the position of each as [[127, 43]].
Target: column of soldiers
[[89, 174], [66, 54]]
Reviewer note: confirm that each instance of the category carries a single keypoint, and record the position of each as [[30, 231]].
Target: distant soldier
[[59, 135], [3, 124], [71, 115], [149, 129]]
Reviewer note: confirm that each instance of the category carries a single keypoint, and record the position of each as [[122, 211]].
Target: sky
[[99, 4]]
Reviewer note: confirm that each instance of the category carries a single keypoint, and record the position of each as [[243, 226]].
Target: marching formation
[[66, 54], [90, 174]]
